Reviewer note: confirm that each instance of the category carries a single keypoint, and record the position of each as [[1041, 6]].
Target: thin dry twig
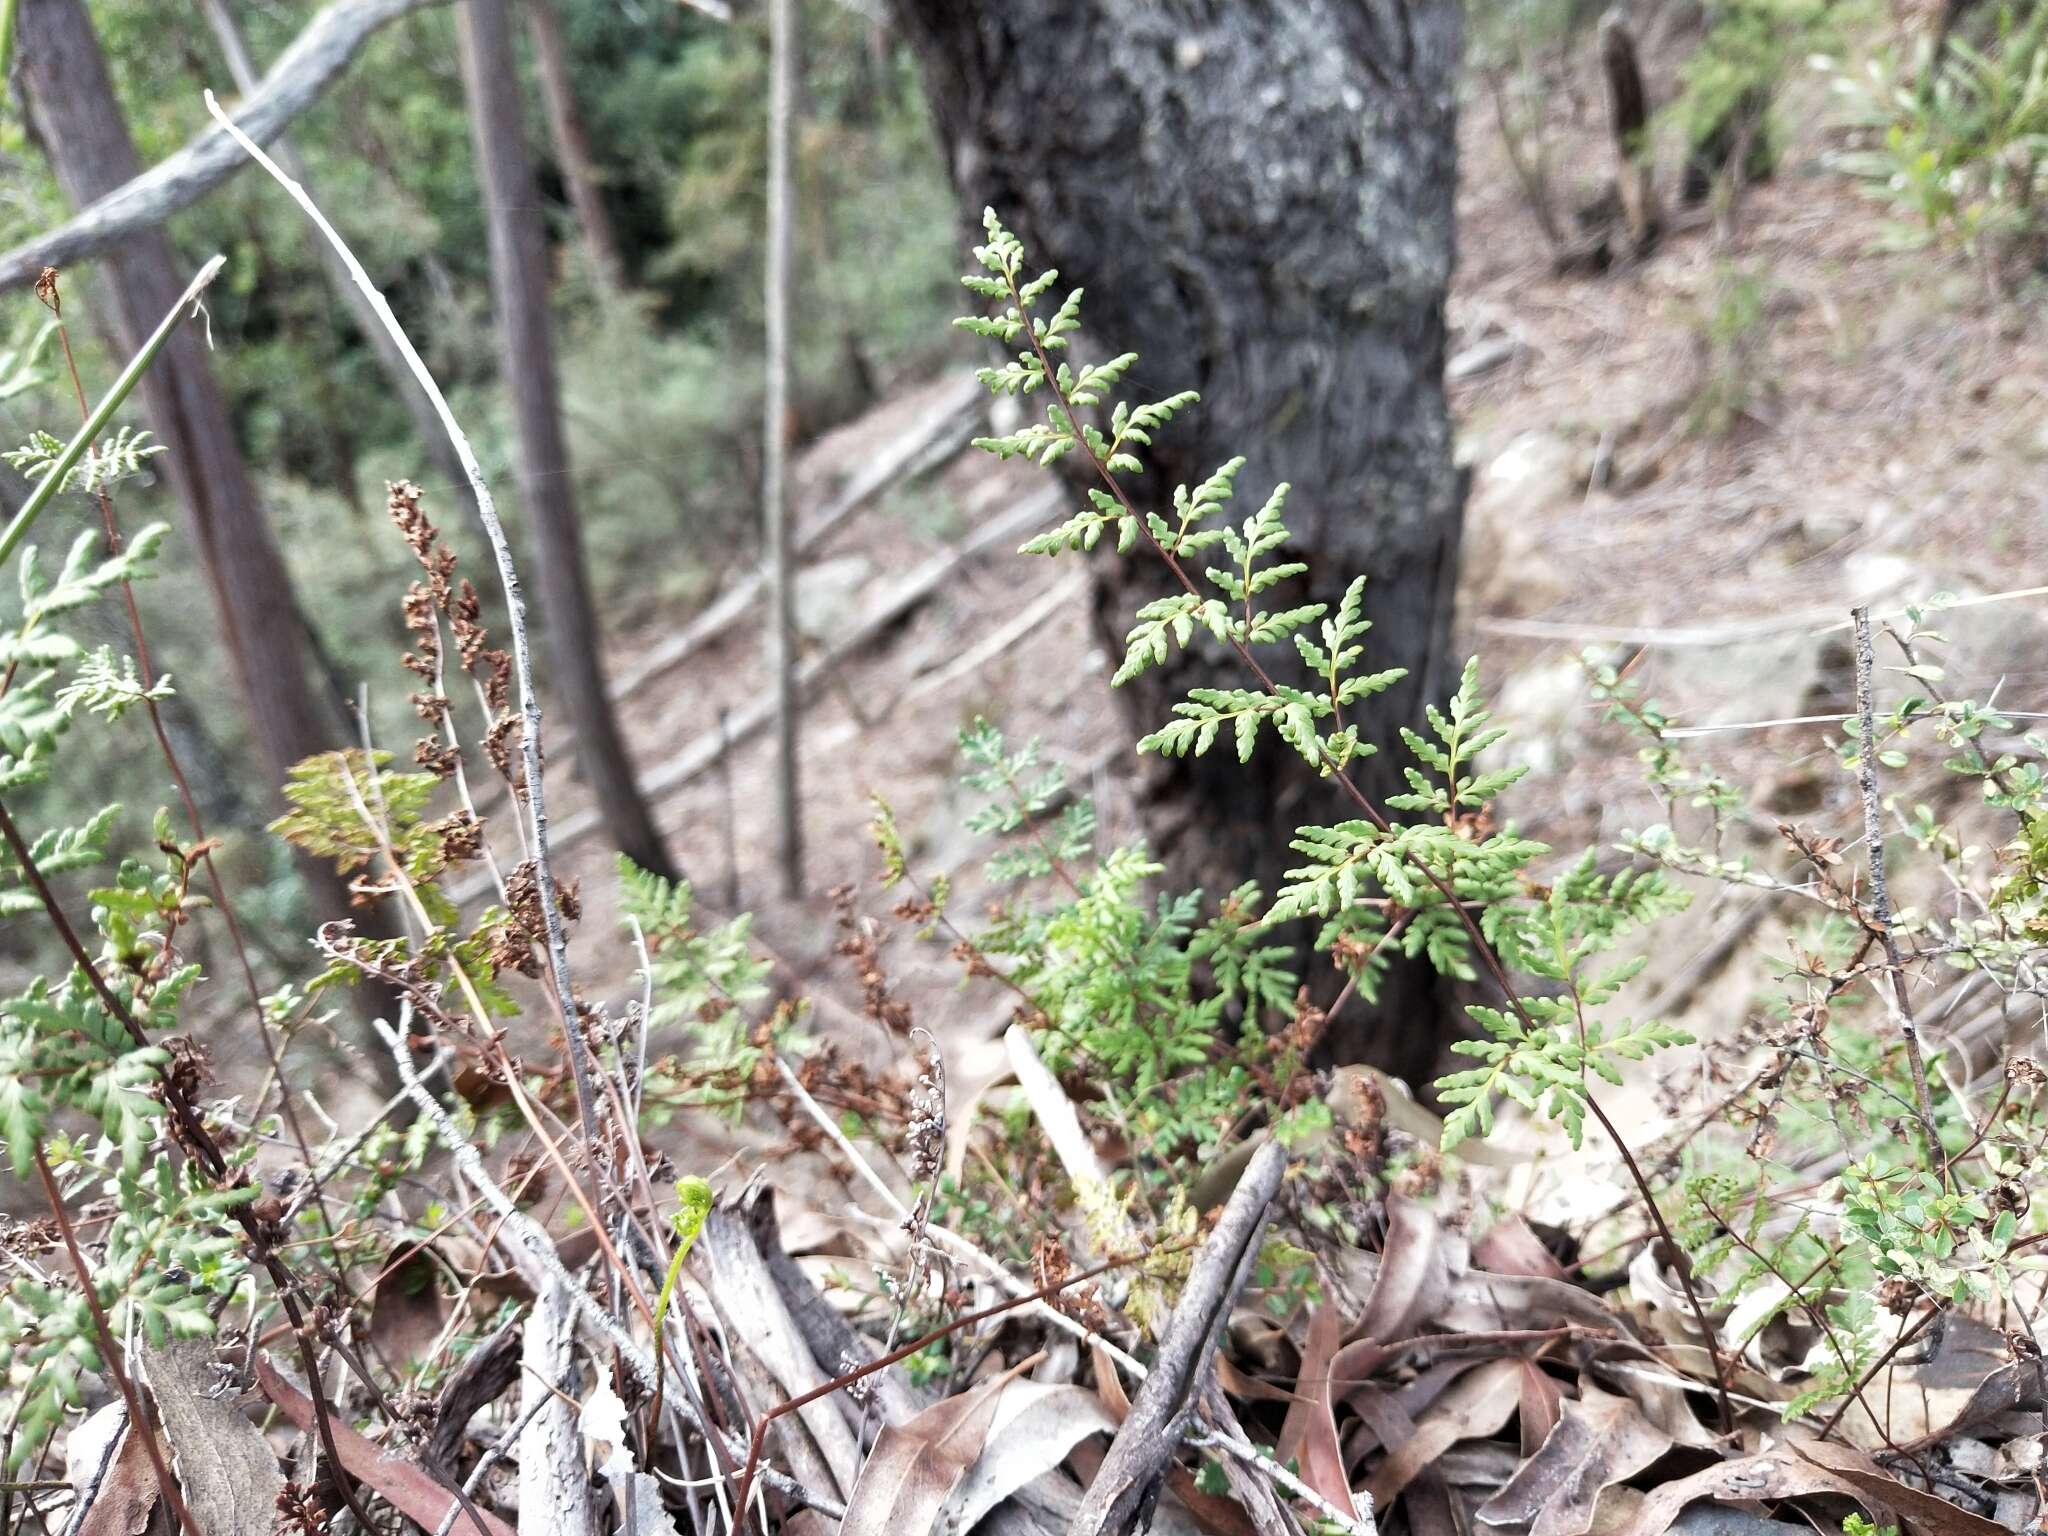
[[1880, 913], [138, 1421], [515, 609], [520, 1227], [949, 1239]]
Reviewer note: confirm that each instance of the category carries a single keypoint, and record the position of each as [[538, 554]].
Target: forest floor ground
[[1693, 483]]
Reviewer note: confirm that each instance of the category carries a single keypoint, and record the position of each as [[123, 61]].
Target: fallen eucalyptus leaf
[[915, 1466], [1601, 1439], [226, 1471], [1309, 1432], [1473, 1408], [1035, 1426]]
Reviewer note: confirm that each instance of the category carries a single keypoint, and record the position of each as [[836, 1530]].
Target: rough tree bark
[[1257, 196], [572, 145], [519, 294], [76, 117]]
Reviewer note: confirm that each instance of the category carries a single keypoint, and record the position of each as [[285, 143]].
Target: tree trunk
[[77, 118], [397, 374], [572, 145], [1257, 197], [519, 294], [782, 43], [1628, 119]]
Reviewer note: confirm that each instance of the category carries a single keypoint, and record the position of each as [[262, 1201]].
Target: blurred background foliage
[[661, 387]]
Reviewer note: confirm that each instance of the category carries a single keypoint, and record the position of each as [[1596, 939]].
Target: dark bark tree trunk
[[519, 293], [1257, 196], [572, 145], [77, 119], [1628, 118]]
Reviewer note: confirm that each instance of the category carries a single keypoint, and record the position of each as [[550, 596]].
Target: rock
[[2015, 1509], [1707, 1519], [828, 595], [1504, 570], [1544, 708], [1973, 1458]]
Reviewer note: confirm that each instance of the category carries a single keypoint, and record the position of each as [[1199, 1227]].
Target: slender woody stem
[[138, 1419], [1880, 917], [515, 609]]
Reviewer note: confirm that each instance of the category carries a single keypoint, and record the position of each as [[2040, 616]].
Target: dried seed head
[[927, 1130]]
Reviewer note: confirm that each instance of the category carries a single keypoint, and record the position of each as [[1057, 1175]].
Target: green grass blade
[[46, 487]]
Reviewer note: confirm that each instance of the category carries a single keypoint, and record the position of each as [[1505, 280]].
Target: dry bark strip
[[1138, 1457], [485, 1374]]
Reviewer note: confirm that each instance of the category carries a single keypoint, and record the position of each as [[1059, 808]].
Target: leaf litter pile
[[1488, 1375]]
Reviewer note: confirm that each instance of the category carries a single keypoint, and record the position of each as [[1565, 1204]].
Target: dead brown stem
[[138, 1417]]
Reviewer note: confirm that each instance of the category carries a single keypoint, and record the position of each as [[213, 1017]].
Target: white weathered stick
[[515, 609], [1054, 1112], [554, 1495]]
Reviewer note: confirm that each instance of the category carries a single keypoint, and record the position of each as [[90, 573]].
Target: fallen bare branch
[[923, 584], [931, 440], [1137, 1458], [299, 78]]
